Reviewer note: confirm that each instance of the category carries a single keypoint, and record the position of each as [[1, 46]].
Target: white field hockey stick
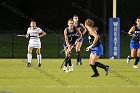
[[21, 35], [25, 36]]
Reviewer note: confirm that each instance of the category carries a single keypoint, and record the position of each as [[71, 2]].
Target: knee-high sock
[[78, 56], [70, 62], [94, 69], [98, 64], [66, 61], [129, 57], [29, 57], [39, 57], [137, 60]]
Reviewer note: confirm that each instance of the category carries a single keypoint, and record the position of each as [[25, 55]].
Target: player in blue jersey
[[70, 35], [81, 27], [96, 49], [135, 43]]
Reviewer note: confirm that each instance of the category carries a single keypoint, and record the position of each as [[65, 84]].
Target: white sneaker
[[135, 66], [71, 68], [64, 68], [128, 60]]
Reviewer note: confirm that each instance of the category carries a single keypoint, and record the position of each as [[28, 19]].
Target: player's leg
[[92, 60], [69, 58], [137, 59], [39, 57], [66, 61], [29, 56], [133, 46], [133, 54], [78, 49]]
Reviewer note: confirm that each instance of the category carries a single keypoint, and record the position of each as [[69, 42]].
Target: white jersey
[[34, 37]]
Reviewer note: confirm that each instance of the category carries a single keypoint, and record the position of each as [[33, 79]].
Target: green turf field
[[15, 77]]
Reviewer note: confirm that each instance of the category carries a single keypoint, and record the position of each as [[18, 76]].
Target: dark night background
[[53, 14]]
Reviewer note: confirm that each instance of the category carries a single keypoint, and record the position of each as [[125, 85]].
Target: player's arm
[[79, 33], [84, 29], [27, 35], [130, 32], [42, 34], [96, 37], [66, 39]]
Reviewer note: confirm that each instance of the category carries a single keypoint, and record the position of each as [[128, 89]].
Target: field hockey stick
[[63, 63], [67, 55], [21, 35], [25, 36]]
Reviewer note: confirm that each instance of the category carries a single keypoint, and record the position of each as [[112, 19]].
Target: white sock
[[39, 58], [29, 56]]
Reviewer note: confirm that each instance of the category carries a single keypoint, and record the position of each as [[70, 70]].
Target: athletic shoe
[[71, 68], [107, 70], [39, 65], [79, 63], [95, 75], [128, 60], [64, 68], [28, 64], [135, 66]]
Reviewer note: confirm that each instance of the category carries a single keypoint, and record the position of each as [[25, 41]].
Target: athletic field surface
[[16, 77]]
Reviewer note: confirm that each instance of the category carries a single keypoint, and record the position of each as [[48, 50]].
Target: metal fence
[[12, 45]]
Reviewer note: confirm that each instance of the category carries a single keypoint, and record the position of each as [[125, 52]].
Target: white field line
[[94, 86]]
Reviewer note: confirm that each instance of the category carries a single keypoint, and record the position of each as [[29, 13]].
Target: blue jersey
[[72, 36], [136, 32], [80, 28], [91, 39], [135, 41], [98, 48]]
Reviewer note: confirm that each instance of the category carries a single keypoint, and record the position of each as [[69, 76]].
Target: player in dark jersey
[[96, 49], [135, 43], [81, 27], [70, 35]]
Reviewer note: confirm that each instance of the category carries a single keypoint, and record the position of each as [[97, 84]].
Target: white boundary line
[[94, 86]]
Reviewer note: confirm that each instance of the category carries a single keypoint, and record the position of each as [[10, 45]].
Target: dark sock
[[66, 61], [98, 64], [94, 69], [78, 56], [136, 60], [70, 62], [129, 57]]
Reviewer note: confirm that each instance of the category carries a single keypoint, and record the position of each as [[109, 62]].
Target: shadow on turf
[[6, 92], [47, 74], [122, 77]]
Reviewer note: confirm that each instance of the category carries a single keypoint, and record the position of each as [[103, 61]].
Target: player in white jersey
[[34, 33]]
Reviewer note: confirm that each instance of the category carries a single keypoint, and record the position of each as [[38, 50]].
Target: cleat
[[107, 70], [39, 65], [80, 62], [128, 60], [64, 68], [135, 66], [95, 75], [28, 64], [71, 68], [77, 63]]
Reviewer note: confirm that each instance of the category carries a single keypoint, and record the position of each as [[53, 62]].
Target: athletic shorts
[[134, 44], [65, 46], [35, 43], [81, 40], [98, 50]]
